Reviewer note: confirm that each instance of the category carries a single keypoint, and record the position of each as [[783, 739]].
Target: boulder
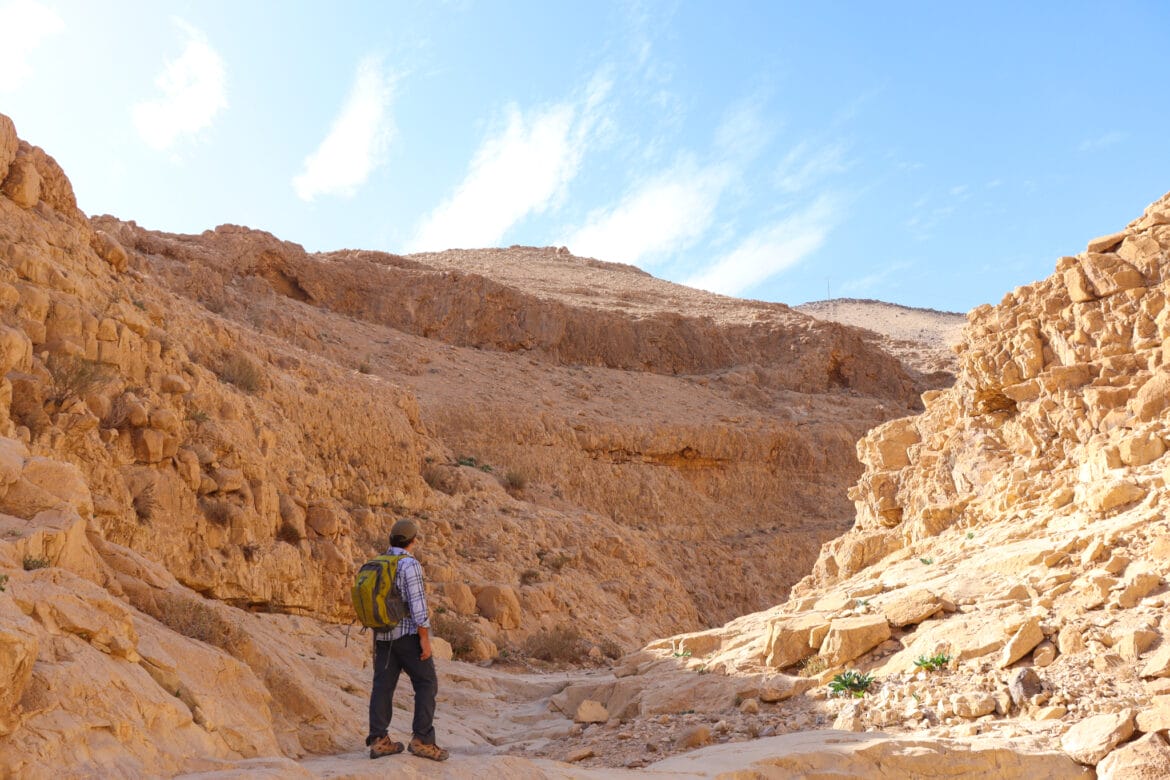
[[1025, 638], [8, 145], [461, 597], [784, 686], [1147, 758], [1093, 738], [18, 653], [1156, 717], [499, 604], [590, 711], [850, 638], [973, 704], [910, 607], [787, 640], [23, 183], [1158, 664], [1153, 396]]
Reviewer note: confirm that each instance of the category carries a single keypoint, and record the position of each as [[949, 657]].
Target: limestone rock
[[911, 607], [108, 249], [1156, 717], [973, 704], [850, 638], [18, 653], [1023, 685], [1147, 758], [8, 145], [23, 184], [461, 597], [499, 604], [590, 711], [1153, 396], [1158, 664], [694, 737], [779, 687], [1093, 738], [1136, 587], [173, 383], [1021, 642], [1111, 495], [787, 640]]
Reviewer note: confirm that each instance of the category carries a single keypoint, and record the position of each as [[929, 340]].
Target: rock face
[[197, 428]]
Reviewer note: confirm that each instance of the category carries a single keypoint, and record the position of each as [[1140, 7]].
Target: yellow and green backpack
[[375, 595]]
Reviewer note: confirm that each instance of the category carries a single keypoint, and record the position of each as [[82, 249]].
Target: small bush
[[515, 482], [563, 643], [3, 582], [932, 663], [249, 551], [812, 666], [31, 563], [610, 649], [927, 561], [288, 533], [119, 412], [216, 510], [74, 377], [364, 368], [529, 576], [467, 460], [145, 504], [558, 561], [198, 416], [243, 372], [850, 683], [197, 619], [455, 631]]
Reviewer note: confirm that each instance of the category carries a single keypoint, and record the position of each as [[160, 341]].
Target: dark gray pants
[[390, 660]]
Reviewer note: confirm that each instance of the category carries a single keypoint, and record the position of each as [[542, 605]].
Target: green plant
[[970, 534], [932, 663], [31, 563], [198, 416], [813, 666], [682, 654], [74, 377], [243, 372], [467, 460], [3, 582], [850, 683], [927, 561], [485, 467], [860, 602]]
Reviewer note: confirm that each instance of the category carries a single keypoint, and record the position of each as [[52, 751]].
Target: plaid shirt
[[409, 582]]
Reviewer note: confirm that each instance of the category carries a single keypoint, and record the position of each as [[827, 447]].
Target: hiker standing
[[406, 647]]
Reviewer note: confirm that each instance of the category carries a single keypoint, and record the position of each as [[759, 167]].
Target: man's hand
[[424, 638]]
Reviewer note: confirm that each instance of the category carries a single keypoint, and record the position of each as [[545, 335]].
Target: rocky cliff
[[1006, 574], [202, 436]]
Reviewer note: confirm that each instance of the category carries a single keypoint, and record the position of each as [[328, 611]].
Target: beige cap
[[404, 531]]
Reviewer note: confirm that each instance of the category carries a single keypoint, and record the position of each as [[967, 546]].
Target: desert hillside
[[704, 511], [208, 433]]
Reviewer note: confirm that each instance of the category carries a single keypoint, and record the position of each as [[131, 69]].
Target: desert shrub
[[74, 377], [557, 562], [515, 482], [529, 576], [243, 372], [365, 368], [31, 563], [288, 533], [850, 683], [812, 666], [563, 643], [3, 582], [459, 634], [250, 551], [932, 663], [198, 416], [216, 510], [145, 504], [610, 649], [119, 412], [197, 619]]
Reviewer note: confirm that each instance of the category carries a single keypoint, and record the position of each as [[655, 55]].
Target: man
[[406, 647]]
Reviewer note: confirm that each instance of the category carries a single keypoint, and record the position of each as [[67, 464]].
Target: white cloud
[[769, 250], [194, 90], [522, 169], [664, 214], [26, 24], [806, 165], [871, 281], [1101, 142], [357, 140]]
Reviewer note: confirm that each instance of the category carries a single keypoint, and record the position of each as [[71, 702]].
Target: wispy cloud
[[663, 214], [194, 90], [1101, 142], [869, 282], [26, 24], [357, 141], [523, 168], [807, 164], [770, 249]]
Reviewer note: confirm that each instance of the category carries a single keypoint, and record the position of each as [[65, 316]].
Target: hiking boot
[[423, 750], [384, 746]]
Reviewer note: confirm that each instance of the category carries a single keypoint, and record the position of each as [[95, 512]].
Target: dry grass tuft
[[560, 644]]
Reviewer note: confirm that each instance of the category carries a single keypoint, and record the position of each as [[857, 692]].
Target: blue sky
[[931, 154]]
